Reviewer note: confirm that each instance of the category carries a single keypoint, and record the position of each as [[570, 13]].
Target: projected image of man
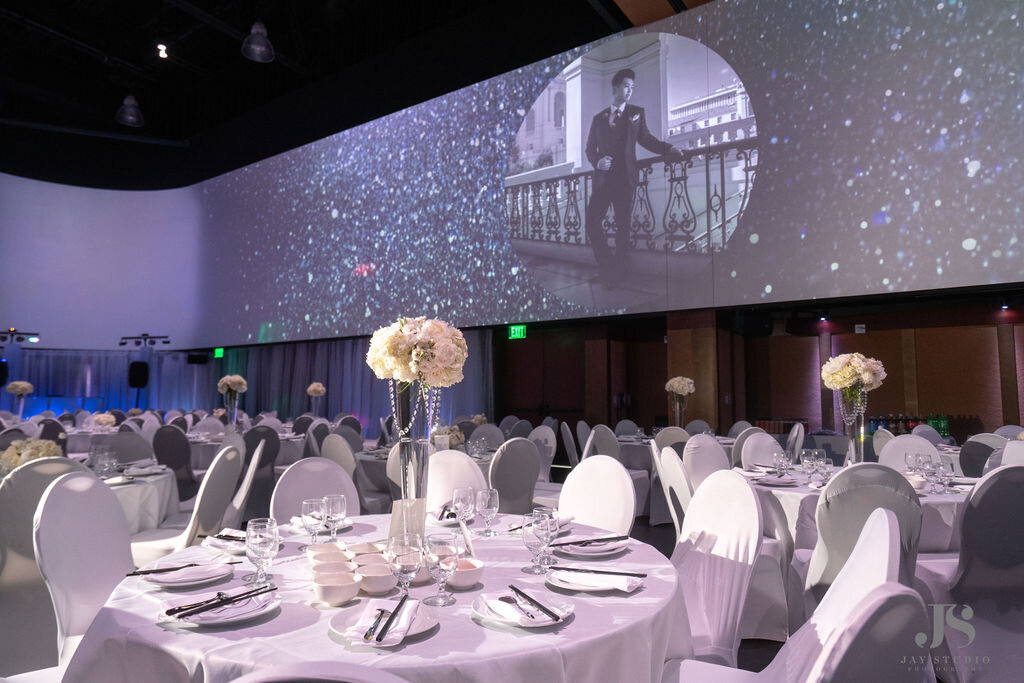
[[611, 149]]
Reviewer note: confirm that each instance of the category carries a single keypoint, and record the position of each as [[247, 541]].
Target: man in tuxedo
[[611, 149]]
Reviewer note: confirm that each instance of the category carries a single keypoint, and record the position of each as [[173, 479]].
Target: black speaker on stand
[[138, 377]]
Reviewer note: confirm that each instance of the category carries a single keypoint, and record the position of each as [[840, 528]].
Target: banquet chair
[[603, 442], [845, 504], [626, 427], [130, 425], [180, 422], [461, 418], [315, 435], [543, 437], [721, 538], [263, 483], [759, 450], [466, 427], [698, 427], [507, 422], [10, 435], [490, 435], [353, 423], [351, 437], [370, 501], [211, 503], [520, 430], [674, 484], [80, 416], [129, 447], [81, 543], [119, 416], [27, 619], [987, 575], [881, 437], [737, 446], [582, 435], [52, 430], [301, 424], [149, 430], [988, 438], [209, 425], [671, 436], [599, 492], [1009, 432], [974, 457], [393, 469], [172, 448], [928, 432], [449, 470], [737, 428], [550, 422], [337, 449], [1013, 453], [269, 421], [569, 443], [310, 478], [894, 452], [702, 456], [234, 515], [862, 630], [67, 419], [332, 670], [513, 472], [795, 440]]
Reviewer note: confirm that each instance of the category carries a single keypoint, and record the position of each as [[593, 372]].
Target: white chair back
[[310, 478], [604, 443], [214, 495], [582, 435], [490, 435], [893, 453], [670, 436], [1009, 432], [236, 508], [702, 457], [506, 423], [514, 471], [795, 440], [737, 428], [599, 492], [209, 425], [272, 422], [82, 547], [1013, 453], [570, 445], [737, 446], [675, 485], [449, 470], [881, 437], [394, 472], [520, 430], [719, 545], [989, 439], [926, 431], [351, 437], [337, 449], [543, 437], [759, 450], [626, 427], [697, 427]]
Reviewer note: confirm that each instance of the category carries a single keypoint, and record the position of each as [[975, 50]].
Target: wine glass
[[931, 475], [945, 476], [463, 499], [532, 539], [824, 467], [261, 545], [922, 459], [404, 555], [335, 509], [487, 506], [551, 517], [807, 462], [441, 555], [910, 460], [787, 461], [312, 518]]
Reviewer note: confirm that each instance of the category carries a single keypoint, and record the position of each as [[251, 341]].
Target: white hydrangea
[[316, 389], [417, 349], [235, 383], [852, 370], [680, 386]]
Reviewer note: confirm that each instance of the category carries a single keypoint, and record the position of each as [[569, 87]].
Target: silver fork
[[515, 603]]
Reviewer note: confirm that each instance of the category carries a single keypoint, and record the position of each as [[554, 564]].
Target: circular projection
[[656, 127]]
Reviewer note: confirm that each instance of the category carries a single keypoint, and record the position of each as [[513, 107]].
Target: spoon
[[381, 613], [515, 603]]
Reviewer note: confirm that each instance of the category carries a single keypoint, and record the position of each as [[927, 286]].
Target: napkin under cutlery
[[220, 602], [395, 633], [599, 580], [590, 541]]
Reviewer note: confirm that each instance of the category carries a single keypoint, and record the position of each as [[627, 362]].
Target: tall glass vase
[[231, 407], [414, 405], [853, 402], [314, 406], [21, 406], [679, 408]]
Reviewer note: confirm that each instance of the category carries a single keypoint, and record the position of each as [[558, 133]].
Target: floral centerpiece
[[24, 450], [450, 437], [851, 376], [680, 388], [20, 389], [479, 419], [134, 412], [316, 392], [231, 386], [104, 420], [429, 353]]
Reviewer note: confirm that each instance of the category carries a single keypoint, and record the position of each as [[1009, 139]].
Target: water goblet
[[931, 475], [532, 539], [787, 461], [910, 460], [335, 509], [404, 555], [824, 467], [463, 499], [945, 475], [441, 554], [551, 516], [312, 519], [807, 462], [922, 459], [777, 463], [261, 546], [487, 506]]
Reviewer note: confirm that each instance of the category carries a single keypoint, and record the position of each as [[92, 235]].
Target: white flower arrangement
[[316, 389], [104, 420], [19, 388], [454, 434], [680, 386], [479, 419], [24, 450], [218, 412], [133, 412], [234, 384], [409, 350], [851, 372], [1020, 437]]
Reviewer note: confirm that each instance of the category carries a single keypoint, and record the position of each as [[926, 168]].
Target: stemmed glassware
[[807, 463], [463, 499], [945, 476], [404, 555], [487, 506], [931, 474], [312, 518], [537, 535], [551, 517], [261, 546], [335, 509], [441, 555], [910, 459]]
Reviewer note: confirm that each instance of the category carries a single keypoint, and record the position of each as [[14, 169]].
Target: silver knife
[[226, 601]]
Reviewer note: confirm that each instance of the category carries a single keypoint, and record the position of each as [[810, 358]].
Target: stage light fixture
[[144, 339], [19, 337], [256, 46], [129, 113]]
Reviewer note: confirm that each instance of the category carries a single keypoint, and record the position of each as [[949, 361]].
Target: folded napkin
[[966, 480], [395, 635], [136, 470], [626, 584], [225, 545]]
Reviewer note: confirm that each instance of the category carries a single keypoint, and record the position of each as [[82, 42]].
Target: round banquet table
[[148, 500], [611, 636]]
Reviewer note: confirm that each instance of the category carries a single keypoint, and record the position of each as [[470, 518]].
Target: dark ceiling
[[66, 65]]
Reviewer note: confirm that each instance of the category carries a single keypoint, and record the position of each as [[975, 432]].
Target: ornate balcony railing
[[693, 205]]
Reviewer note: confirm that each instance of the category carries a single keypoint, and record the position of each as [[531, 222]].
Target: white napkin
[[235, 547], [137, 470], [395, 635], [626, 584]]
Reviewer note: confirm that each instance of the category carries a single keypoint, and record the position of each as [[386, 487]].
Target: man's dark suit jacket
[[600, 143]]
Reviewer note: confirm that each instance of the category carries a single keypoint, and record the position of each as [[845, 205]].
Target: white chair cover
[[570, 445], [670, 436], [737, 446], [881, 437], [332, 670], [599, 492], [337, 449], [795, 440], [211, 502], [550, 422], [926, 431], [893, 453], [236, 508], [351, 437], [603, 442], [507, 422], [129, 447], [720, 541], [272, 422], [737, 428], [582, 435], [513, 473], [394, 472], [990, 439], [626, 427], [310, 478], [1009, 432], [371, 501], [209, 425], [1013, 453], [520, 430], [490, 435], [82, 548], [697, 427], [702, 457], [759, 449], [543, 437], [449, 470], [27, 619], [674, 484]]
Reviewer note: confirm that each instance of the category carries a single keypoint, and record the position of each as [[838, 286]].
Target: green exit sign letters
[[517, 331]]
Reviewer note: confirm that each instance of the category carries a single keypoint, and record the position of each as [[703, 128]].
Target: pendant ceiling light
[[257, 46], [129, 114]]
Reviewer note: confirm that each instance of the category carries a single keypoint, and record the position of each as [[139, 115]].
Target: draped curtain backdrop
[[277, 375]]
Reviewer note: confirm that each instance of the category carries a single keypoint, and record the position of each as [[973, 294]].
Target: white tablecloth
[[611, 636], [375, 469], [147, 501]]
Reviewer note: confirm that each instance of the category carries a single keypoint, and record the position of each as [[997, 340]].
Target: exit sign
[[218, 352], [517, 331]]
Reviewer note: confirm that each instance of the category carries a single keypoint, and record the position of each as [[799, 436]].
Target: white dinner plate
[[562, 579], [190, 576], [119, 480], [488, 607], [777, 482], [345, 619], [593, 550], [236, 612]]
